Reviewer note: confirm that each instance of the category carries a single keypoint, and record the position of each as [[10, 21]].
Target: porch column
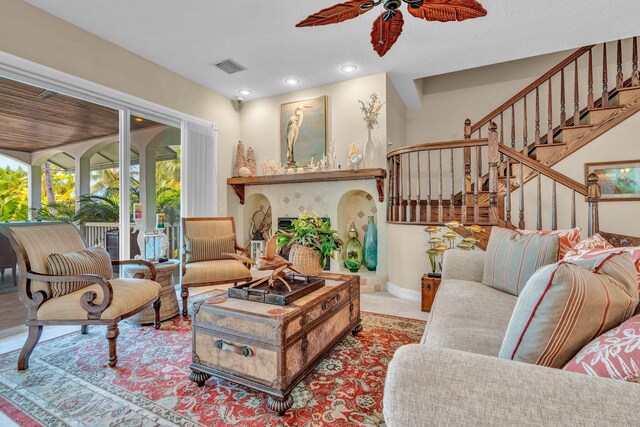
[[35, 188], [83, 178]]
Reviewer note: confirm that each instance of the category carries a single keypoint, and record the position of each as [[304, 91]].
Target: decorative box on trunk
[[271, 348]]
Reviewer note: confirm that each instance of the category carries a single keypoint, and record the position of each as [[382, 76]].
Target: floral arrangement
[[439, 244], [371, 110], [313, 232]]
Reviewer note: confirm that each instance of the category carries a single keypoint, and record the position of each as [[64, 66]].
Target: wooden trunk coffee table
[[271, 348]]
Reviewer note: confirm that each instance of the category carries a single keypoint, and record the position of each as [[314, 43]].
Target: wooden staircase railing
[[523, 126], [430, 184]]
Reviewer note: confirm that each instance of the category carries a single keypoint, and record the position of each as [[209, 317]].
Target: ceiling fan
[[388, 26]]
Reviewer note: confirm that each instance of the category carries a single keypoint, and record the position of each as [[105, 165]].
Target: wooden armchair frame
[[185, 287], [34, 300]]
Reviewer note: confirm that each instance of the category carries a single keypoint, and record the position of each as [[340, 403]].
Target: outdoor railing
[[95, 232]]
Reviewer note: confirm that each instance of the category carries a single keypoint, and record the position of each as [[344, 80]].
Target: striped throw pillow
[[512, 258], [567, 239], [566, 305], [86, 261], [209, 248]]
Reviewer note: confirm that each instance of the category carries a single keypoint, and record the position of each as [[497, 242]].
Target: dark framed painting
[[619, 181], [303, 131]]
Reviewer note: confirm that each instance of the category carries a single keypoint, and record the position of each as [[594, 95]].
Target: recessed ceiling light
[[244, 92], [138, 119], [292, 81], [349, 69]]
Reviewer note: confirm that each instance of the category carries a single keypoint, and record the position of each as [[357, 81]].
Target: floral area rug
[[69, 383]]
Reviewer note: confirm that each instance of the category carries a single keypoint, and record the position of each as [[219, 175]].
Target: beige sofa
[[454, 377]]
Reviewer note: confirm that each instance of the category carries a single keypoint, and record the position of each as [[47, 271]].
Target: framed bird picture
[[303, 131]]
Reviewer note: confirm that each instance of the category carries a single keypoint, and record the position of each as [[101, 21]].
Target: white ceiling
[[187, 36]]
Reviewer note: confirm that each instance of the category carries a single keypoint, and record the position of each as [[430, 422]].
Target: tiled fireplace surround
[[343, 202]]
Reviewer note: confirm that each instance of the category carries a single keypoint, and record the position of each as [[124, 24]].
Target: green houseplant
[[310, 240]]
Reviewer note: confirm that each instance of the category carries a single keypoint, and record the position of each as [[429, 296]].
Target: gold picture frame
[[618, 180]]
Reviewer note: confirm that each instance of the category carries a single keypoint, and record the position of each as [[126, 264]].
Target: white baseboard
[[12, 331], [403, 293]]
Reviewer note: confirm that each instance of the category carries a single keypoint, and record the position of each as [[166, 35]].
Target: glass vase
[[353, 255], [371, 246], [369, 155]]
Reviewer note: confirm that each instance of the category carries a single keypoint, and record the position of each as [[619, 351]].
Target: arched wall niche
[[252, 204], [355, 206]]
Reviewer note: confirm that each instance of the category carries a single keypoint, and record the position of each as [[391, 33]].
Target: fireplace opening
[[285, 222]]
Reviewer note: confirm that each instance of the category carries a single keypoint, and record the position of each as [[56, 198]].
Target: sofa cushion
[[512, 258], [86, 261], [567, 239], [469, 316], [224, 270], [566, 305], [614, 354], [209, 248]]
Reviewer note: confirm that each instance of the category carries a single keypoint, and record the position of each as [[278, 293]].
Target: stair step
[[628, 95], [595, 116], [542, 151], [568, 134]]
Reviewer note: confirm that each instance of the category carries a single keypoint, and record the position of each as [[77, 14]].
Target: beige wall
[[35, 35], [259, 119]]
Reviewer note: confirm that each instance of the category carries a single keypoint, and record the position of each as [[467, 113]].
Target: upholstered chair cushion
[[86, 261], [128, 295], [225, 270], [614, 354], [566, 305], [209, 248], [512, 258], [567, 239]]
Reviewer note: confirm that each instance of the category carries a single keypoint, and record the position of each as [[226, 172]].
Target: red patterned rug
[[69, 383]]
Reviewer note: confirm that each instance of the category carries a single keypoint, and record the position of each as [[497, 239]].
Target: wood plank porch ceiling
[[30, 123]]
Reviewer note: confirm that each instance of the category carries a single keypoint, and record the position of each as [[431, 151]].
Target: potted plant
[[310, 240]]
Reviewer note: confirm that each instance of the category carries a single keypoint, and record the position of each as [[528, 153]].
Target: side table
[[169, 302], [430, 284]]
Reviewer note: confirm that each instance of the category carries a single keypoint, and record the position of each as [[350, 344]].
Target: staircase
[[481, 180]]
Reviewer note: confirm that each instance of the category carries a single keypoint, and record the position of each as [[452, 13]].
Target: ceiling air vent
[[229, 66]]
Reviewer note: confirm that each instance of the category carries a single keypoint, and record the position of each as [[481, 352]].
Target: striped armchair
[[66, 297], [202, 270]]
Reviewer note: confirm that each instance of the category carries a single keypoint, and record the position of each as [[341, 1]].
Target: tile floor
[[378, 302]]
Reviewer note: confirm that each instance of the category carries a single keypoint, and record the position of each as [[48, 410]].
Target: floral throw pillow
[[567, 239], [594, 242], [614, 354]]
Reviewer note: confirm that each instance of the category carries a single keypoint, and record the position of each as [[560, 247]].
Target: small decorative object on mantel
[[310, 239], [439, 244], [353, 255], [332, 162], [240, 159], [370, 114], [387, 27], [251, 161], [354, 157], [619, 180], [244, 172]]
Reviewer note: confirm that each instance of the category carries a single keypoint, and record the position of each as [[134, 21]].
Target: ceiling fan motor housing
[[392, 4]]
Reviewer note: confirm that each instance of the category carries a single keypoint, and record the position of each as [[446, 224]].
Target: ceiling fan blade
[[448, 10], [385, 33], [335, 14]]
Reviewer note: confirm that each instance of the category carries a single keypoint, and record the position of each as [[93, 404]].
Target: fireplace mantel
[[378, 174]]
